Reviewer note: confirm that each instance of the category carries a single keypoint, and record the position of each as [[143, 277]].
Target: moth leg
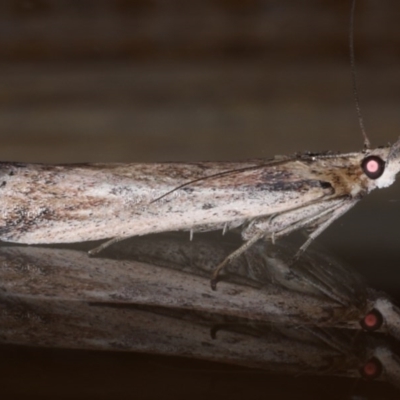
[[317, 218], [334, 216], [104, 245], [232, 256], [285, 223], [264, 230]]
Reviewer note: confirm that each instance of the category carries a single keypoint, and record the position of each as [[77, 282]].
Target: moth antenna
[[367, 143], [217, 175]]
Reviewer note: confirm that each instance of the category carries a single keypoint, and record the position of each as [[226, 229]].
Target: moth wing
[[240, 195], [54, 204]]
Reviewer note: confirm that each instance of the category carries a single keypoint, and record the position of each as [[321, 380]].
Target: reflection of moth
[[265, 199]]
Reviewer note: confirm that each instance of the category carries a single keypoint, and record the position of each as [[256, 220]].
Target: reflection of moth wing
[[330, 277], [56, 274], [71, 203]]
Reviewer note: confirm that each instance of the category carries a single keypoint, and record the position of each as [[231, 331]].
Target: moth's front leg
[[321, 213], [284, 223], [232, 256]]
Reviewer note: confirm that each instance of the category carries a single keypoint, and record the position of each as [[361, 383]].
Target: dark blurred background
[[154, 80], [157, 80]]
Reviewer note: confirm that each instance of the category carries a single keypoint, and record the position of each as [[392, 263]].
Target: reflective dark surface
[[151, 296]]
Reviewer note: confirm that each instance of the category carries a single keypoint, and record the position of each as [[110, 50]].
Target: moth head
[[382, 165]]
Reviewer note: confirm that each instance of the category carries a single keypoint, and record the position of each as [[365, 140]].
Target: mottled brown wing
[[73, 203]]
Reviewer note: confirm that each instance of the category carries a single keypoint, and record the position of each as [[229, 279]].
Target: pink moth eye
[[372, 321], [372, 369], [373, 167]]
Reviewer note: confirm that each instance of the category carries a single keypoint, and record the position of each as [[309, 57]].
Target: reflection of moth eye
[[372, 321], [373, 167], [372, 369]]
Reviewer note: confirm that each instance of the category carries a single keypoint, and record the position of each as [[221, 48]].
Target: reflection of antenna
[[367, 143]]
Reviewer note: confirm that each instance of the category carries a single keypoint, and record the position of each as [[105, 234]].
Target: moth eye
[[372, 369], [372, 321], [373, 167]]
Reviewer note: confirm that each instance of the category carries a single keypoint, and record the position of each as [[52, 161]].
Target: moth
[[42, 204], [265, 199]]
